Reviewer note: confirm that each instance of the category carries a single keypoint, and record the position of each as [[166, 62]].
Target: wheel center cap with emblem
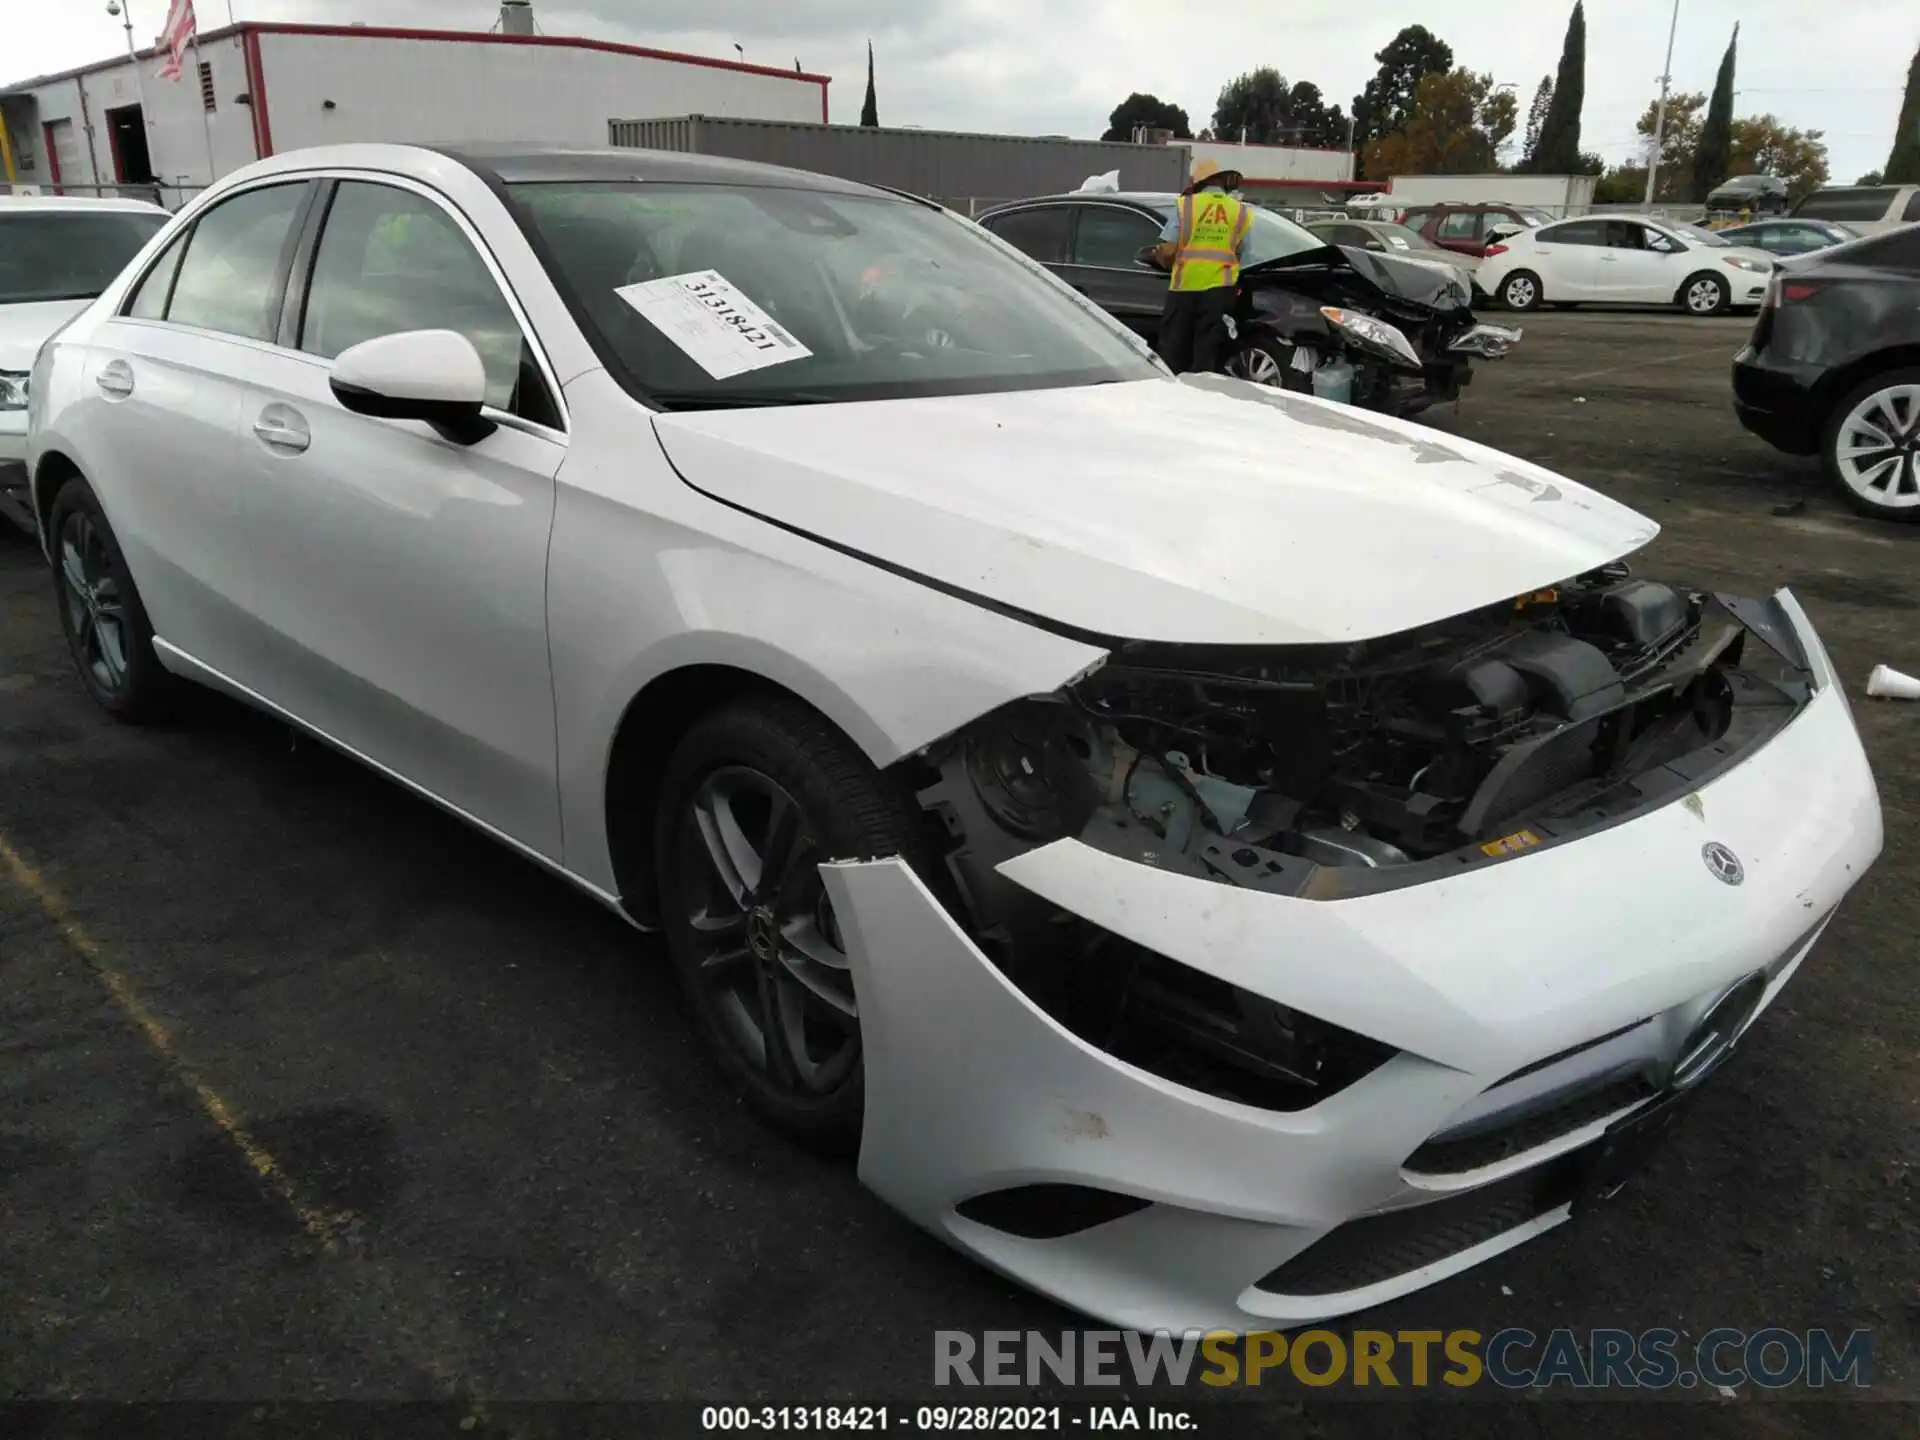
[[1724, 864], [763, 935]]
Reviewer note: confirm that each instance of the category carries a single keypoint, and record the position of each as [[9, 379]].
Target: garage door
[[64, 146]]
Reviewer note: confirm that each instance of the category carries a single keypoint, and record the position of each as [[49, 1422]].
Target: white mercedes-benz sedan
[[1221, 858]]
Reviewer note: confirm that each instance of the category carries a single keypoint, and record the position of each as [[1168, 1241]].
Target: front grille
[[1375, 1248], [1528, 1132]]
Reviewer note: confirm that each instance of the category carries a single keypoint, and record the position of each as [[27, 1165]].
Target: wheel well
[[53, 471], [654, 721], [1836, 385]]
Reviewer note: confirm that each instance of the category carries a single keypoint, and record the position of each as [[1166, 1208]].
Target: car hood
[[1203, 510], [1419, 282], [25, 328]]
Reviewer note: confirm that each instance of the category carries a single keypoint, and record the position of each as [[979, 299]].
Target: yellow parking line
[[324, 1226]]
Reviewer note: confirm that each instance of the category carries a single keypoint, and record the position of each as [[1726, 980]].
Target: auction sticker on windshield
[[720, 329]]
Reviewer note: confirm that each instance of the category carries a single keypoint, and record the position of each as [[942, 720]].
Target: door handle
[[281, 427], [115, 379]]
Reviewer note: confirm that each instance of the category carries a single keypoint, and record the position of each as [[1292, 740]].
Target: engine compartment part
[[1331, 771]]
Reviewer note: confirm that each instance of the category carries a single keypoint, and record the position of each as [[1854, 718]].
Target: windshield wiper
[[720, 400]]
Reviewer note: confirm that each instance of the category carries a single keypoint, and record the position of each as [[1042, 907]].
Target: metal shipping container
[[964, 170]]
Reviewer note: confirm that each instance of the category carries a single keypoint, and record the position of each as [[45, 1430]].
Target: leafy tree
[[1456, 126], [1383, 107], [1872, 177], [1679, 139], [1255, 107], [1149, 110], [1536, 117], [870, 111], [1622, 185], [1903, 165], [1559, 149], [1714, 153], [1763, 146], [1589, 164], [1311, 123]]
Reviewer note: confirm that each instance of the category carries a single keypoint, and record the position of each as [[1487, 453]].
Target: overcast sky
[[1060, 66]]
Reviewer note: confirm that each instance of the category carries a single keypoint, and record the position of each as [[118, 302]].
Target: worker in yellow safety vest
[[1202, 247]]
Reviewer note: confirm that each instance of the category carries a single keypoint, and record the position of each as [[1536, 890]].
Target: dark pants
[[1193, 329]]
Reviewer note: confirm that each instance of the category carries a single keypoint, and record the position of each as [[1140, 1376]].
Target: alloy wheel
[[1877, 448], [1256, 365], [96, 624], [771, 963], [1520, 293], [1703, 296]]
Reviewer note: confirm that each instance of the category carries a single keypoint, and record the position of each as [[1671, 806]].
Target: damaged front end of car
[[1329, 773]]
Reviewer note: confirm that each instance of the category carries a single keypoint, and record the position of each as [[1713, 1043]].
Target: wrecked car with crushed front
[[1219, 857]]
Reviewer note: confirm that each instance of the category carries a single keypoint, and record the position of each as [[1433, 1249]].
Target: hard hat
[[1207, 168]]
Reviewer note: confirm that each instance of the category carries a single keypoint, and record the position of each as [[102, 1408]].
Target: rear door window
[[1110, 236], [1040, 232], [1575, 232], [235, 270], [1461, 225]]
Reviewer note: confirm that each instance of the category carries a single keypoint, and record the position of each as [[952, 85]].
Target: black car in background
[[1833, 369], [1291, 286]]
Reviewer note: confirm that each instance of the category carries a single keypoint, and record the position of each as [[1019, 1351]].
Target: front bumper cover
[[972, 1089]]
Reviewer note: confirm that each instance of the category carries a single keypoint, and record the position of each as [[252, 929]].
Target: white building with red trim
[[257, 89]]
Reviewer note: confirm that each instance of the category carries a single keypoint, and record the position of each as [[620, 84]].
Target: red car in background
[[1469, 229]]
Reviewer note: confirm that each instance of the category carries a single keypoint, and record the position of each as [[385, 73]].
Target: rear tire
[[1705, 294], [106, 625], [1521, 291], [1881, 480], [757, 795]]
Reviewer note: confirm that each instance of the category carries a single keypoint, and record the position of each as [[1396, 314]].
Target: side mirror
[[435, 376]]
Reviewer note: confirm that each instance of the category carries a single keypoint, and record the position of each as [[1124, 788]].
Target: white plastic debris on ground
[[1892, 685], [1101, 184]]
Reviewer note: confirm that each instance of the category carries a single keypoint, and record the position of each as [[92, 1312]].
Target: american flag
[[174, 39]]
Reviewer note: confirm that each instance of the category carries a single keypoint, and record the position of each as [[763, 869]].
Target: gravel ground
[[311, 1094]]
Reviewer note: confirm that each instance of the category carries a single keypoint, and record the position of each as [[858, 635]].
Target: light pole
[[124, 9], [1660, 115]]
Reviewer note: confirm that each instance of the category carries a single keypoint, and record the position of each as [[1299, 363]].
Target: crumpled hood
[[25, 328], [1203, 510], [1401, 276]]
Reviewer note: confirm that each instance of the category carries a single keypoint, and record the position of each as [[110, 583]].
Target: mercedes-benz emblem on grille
[[1724, 864]]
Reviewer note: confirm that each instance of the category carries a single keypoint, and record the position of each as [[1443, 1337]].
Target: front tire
[[1259, 362], [106, 625], [1521, 291], [756, 796], [1705, 294], [1871, 446]]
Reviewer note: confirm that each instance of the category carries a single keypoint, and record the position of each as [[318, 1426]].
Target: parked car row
[[1041, 768]]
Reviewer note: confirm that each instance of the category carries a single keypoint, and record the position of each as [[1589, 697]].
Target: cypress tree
[[870, 112], [1559, 150], [1713, 157], [1903, 165]]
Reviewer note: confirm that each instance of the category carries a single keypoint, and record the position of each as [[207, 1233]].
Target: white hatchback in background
[[56, 253], [1219, 895], [1624, 260]]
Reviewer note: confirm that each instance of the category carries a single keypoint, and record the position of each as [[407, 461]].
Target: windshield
[[1536, 218], [1696, 235], [715, 295], [68, 254]]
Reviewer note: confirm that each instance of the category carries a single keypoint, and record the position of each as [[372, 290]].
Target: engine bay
[[1331, 771]]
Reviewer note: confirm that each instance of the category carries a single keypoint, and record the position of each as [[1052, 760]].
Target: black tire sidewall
[[857, 813], [1830, 445], [148, 690]]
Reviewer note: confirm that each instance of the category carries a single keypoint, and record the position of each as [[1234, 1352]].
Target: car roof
[[515, 164], [93, 203]]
